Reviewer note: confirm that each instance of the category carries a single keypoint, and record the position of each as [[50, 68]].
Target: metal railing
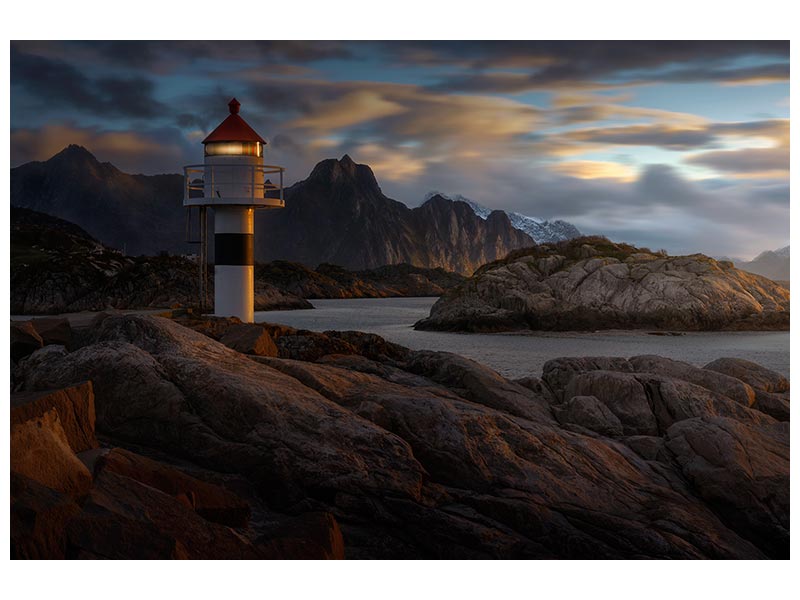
[[199, 180]]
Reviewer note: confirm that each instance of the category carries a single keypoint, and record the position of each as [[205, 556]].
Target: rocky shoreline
[[210, 438], [56, 268], [591, 283]]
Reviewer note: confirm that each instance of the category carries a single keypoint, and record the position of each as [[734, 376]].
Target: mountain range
[[542, 231], [774, 264], [337, 215]]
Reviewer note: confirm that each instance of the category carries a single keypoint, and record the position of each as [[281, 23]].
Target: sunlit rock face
[[428, 454], [592, 283]]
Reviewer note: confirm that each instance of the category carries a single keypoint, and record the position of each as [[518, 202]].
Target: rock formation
[[592, 283], [343, 443]]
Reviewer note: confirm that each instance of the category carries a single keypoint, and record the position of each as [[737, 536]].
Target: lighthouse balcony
[[260, 186]]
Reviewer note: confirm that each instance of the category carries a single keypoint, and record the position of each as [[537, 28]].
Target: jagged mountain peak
[[345, 169], [74, 155], [540, 230]]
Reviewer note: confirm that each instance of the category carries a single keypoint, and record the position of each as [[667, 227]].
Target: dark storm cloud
[[664, 136], [57, 84], [747, 160], [165, 55], [556, 63]]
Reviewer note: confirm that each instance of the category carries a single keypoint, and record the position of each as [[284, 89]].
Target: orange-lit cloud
[[388, 163], [595, 169], [350, 109]]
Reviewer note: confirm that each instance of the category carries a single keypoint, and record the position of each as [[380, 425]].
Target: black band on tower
[[233, 249]]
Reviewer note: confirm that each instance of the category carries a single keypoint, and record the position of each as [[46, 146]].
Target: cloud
[[768, 163], [595, 169], [579, 64], [350, 109], [168, 56], [54, 83]]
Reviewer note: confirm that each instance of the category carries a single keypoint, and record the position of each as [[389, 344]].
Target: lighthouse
[[234, 182]]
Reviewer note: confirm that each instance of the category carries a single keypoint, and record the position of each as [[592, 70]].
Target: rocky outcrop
[[741, 470], [415, 454], [249, 338], [56, 267], [74, 406], [70, 499], [592, 283], [24, 339], [333, 281]]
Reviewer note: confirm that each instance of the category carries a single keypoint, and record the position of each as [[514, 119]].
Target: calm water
[[515, 355]]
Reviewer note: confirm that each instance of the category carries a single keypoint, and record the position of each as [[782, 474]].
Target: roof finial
[[234, 105]]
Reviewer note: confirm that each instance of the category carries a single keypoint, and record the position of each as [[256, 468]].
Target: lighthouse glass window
[[233, 149]]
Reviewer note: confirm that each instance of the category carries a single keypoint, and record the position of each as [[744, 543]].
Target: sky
[[682, 146]]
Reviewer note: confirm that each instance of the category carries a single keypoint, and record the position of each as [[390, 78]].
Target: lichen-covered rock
[[561, 287]]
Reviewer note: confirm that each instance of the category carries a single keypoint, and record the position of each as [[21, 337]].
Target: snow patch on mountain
[[542, 231]]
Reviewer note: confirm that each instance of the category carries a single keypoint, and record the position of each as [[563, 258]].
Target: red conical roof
[[234, 128]]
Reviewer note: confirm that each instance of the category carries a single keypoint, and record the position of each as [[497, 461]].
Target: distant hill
[[58, 267], [542, 231], [138, 213], [774, 264], [337, 215]]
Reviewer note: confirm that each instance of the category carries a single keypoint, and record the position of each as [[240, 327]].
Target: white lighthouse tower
[[234, 181]]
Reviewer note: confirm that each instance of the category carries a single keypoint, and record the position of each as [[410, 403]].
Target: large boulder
[[733, 388], [210, 501], [40, 451], [479, 384], [74, 405], [775, 405], [753, 374], [123, 518], [311, 536], [558, 372], [39, 516], [649, 404], [742, 471], [24, 339], [249, 338], [589, 412], [54, 330]]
